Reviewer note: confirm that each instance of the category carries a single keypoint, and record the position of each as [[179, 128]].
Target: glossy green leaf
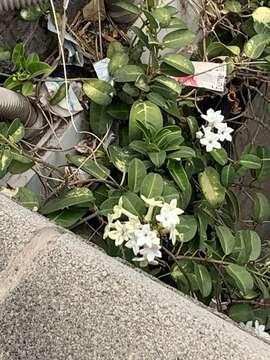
[[100, 120], [180, 63], [176, 23], [128, 6], [184, 152], [99, 91], [241, 276], [134, 204], [148, 114], [70, 198], [118, 110], [115, 47], [233, 6], [93, 168], [215, 49], [5, 160], [262, 15], [152, 186], [162, 15], [256, 245], [128, 73], [228, 175], [170, 83], [243, 246], [204, 279], [131, 90], [255, 46], [16, 131], [187, 227], [118, 60], [158, 158], [136, 174], [261, 210], [220, 156], [18, 55], [226, 238], [264, 171], [169, 138], [241, 312], [233, 205], [211, 187], [180, 177], [27, 88], [69, 217], [107, 206], [39, 68], [193, 126], [120, 157], [169, 193], [178, 39], [27, 198], [250, 161]]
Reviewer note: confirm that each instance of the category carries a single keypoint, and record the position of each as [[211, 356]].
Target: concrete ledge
[[62, 299]]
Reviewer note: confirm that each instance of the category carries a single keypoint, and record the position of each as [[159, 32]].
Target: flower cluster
[[257, 328], [143, 238], [215, 132]]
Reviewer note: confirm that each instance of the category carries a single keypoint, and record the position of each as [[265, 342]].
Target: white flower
[[168, 216], [259, 330], [108, 226], [210, 140], [150, 253], [133, 224], [132, 243], [224, 132], [152, 202], [214, 118], [118, 211], [199, 134], [173, 234], [145, 236], [120, 234]]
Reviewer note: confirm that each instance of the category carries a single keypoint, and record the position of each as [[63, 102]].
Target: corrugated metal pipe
[[14, 105], [6, 5]]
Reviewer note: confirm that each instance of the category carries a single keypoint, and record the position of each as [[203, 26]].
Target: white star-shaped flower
[[152, 202], [224, 132], [211, 141], [120, 234], [150, 253], [146, 236], [132, 244], [168, 216], [214, 118]]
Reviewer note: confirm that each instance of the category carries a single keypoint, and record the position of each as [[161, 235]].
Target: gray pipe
[[14, 105], [6, 5]]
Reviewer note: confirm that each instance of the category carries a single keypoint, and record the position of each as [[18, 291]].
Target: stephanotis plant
[[158, 184]]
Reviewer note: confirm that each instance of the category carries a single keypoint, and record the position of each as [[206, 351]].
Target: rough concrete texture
[[62, 299]]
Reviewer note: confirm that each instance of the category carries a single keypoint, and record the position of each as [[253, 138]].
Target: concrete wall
[[62, 299]]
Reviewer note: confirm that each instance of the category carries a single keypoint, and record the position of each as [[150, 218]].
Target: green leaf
[[99, 91], [176, 23], [169, 138], [264, 154], [118, 60], [226, 238], [179, 175], [140, 35], [152, 21], [241, 312], [91, 167], [31, 13], [233, 6], [233, 205], [255, 46], [262, 15], [134, 204], [120, 157], [131, 90], [118, 110], [215, 49], [148, 114], [243, 246], [139, 146], [169, 193], [162, 15], [211, 187], [4, 52], [180, 63], [128, 73], [27, 198], [184, 152], [141, 83], [115, 47], [5, 160], [241, 276], [60, 94], [68, 218], [107, 206], [70, 198], [204, 279], [187, 227], [27, 88], [18, 55], [170, 83], [128, 6], [193, 126], [136, 174], [178, 39], [100, 120], [158, 158], [228, 175], [250, 161], [220, 156], [157, 99], [261, 210], [152, 186], [262, 287], [16, 131], [256, 245], [39, 68]]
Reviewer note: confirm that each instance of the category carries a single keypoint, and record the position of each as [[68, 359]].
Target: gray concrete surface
[[63, 299]]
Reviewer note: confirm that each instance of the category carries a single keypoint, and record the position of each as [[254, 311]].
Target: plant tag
[[207, 75], [102, 70]]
